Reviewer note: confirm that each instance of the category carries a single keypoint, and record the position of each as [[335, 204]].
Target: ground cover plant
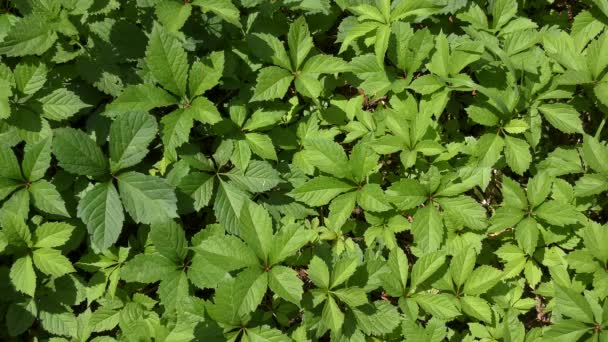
[[303, 170]]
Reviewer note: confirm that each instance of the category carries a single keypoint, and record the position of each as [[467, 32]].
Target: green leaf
[[481, 280], [264, 333], [465, 210], [502, 12], [130, 135], [341, 208], [440, 62], [351, 296], [61, 104], [206, 73], [595, 154], [20, 316], [318, 272], [140, 97], [441, 305], [31, 35], [299, 41], [229, 201], [100, 209], [371, 197], [382, 320], [52, 262], [328, 156], [272, 83], [563, 117], [8, 186], [320, 190], [516, 126], [513, 195], [200, 187], [78, 154], [228, 252], [169, 240], [332, 317], [573, 304], [288, 241], [147, 199], [173, 289], [254, 283], [204, 111], [23, 276], [47, 199], [261, 145], [462, 265], [591, 184], [383, 34], [260, 176], [147, 268], [15, 230], [567, 330], [222, 8], [406, 194], [343, 269], [527, 233], [37, 159], [488, 149], [517, 154], [52, 234], [427, 228], [308, 85], [284, 282], [30, 77], [176, 129], [426, 266], [255, 228], [539, 188], [595, 236], [476, 307], [324, 64], [10, 166], [427, 84], [173, 14], [557, 213], [270, 49], [167, 60], [602, 5]]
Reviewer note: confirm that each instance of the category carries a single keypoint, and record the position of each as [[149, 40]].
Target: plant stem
[[599, 129]]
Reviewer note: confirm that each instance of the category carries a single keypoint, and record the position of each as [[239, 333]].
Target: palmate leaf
[[221, 170]]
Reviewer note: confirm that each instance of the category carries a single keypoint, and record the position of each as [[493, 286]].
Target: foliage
[[304, 170]]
